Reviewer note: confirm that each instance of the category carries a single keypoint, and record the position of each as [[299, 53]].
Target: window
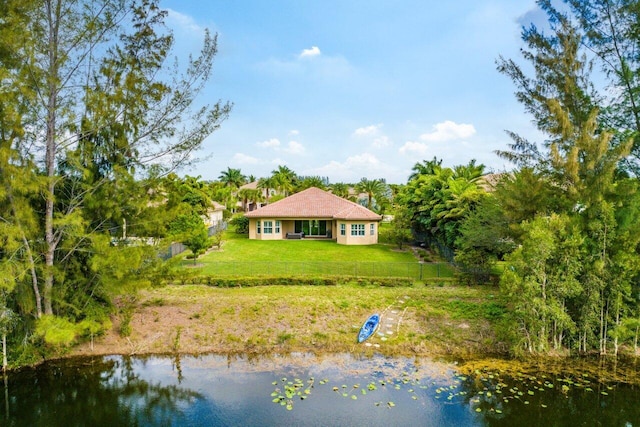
[[357, 229], [258, 227], [277, 227], [268, 227], [343, 229], [372, 229]]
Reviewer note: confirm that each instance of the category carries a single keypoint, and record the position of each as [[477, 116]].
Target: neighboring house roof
[[314, 203], [218, 206], [489, 181], [253, 185]]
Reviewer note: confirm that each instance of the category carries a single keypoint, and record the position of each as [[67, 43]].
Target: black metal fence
[[414, 270]]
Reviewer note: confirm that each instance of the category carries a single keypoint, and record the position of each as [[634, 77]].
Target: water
[[304, 390]]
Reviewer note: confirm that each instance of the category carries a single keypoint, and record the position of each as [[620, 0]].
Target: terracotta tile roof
[[253, 185], [489, 181], [314, 203]]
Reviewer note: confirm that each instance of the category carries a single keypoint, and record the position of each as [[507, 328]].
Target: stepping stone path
[[391, 319]]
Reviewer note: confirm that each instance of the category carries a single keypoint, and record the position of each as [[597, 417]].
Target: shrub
[[241, 224]]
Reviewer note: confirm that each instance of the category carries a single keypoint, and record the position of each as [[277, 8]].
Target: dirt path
[[390, 322]]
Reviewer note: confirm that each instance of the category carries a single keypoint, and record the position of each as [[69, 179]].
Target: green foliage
[[190, 230], [440, 198], [216, 239], [240, 223], [572, 277], [400, 231], [542, 278], [311, 181], [484, 239], [284, 181], [377, 193], [56, 331], [232, 178]]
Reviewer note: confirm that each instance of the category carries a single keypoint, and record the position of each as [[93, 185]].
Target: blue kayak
[[369, 327]]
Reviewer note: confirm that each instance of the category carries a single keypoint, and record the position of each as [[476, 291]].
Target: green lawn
[[241, 256], [237, 247]]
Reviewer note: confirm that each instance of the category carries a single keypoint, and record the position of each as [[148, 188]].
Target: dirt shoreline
[[200, 319]]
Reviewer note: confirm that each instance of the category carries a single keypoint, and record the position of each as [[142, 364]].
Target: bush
[[241, 224]]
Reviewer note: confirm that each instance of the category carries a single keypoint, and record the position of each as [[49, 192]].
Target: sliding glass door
[[312, 227]]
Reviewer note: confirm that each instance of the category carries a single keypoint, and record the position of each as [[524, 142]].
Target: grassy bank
[[419, 319]]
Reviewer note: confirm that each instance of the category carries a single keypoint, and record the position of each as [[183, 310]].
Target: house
[[214, 215], [314, 213]]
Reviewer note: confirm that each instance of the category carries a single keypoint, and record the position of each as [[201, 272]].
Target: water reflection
[[304, 390]]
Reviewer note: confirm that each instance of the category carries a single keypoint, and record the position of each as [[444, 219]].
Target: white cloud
[[309, 53], [447, 131], [294, 132], [353, 169], [185, 22], [295, 148], [364, 160], [270, 143], [243, 159], [367, 130], [411, 147], [374, 134]]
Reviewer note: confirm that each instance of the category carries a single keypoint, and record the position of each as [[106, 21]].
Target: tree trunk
[[34, 278], [53, 14]]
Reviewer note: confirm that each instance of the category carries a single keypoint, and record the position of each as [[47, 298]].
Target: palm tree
[[470, 172], [311, 181], [340, 189], [232, 178], [284, 179], [374, 188], [427, 167], [248, 195]]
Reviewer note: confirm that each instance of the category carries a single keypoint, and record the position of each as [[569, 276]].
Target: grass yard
[[240, 256], [236, 247]]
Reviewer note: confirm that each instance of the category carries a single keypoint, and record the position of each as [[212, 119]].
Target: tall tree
[[232, 178], [340, 189], [104, 112], [612, 33], [540, 277], [311, 181], [266, 185], [375, 189], [285, 179], [442, 198], [578, 170], [561, 82], [426, 167], [250, 195]]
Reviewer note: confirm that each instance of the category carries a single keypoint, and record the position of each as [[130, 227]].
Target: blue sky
[[350, 89]]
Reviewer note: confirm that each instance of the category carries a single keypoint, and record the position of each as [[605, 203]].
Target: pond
[[306, 390]]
